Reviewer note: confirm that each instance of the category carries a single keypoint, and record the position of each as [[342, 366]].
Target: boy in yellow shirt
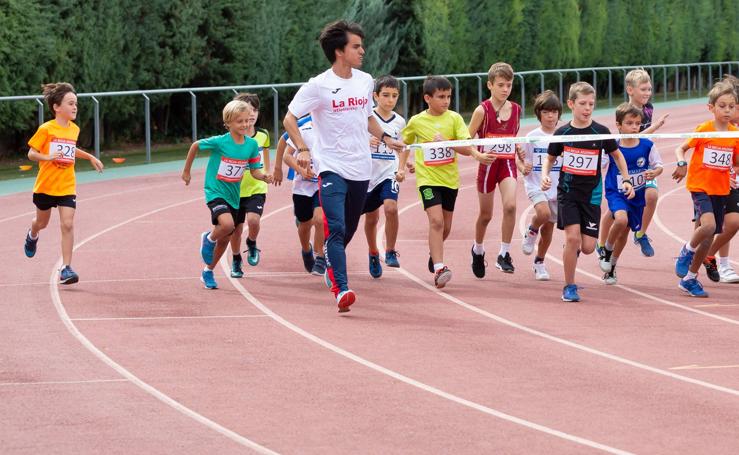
[[437, 172], [54, 146]]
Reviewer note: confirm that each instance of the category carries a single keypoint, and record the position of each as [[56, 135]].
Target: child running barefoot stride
[[231, 154], [54, 146]]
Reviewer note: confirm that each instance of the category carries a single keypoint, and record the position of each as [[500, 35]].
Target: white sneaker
[[529, 242], [610, 277], [728, 275], [540, 272]]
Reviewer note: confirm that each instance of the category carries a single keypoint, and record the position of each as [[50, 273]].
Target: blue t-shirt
[[637, 162]]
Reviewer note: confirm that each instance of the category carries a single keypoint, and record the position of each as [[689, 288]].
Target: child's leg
[[40, 221], [619, 230], [236, 239], [701, 240], [253, 222], [392, 223], [448, 216], [573, 243], [318, 235], [721, 241], [508, 200], [542, 215], [485, 201], [222, 236], [545, 232], [371, 220], [437, 225], [651, 195], [66, 222], [304, 229], [605, 227]]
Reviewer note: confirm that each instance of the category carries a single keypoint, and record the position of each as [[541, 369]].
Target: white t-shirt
[[536, 153], [300, 185], [340, 109], [384, 159]]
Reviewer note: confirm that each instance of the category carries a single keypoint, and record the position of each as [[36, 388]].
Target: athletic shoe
[[569, 293], [206, 248], [540, 272], [319, 267], [610, 277], [442, 277], [728, 275], [375, 269], [478, 264], [711, 269], [308, 260], [345, 299], [431, 264], [646, 247], [236, 270], [693, 287], [599, 250], [252, 254], [505, 264], [30, 246], [208, 279], [391, 258], [683, 262], [529, 242], [68, 276], [604, 261]]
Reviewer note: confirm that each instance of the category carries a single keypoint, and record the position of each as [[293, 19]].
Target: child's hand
[[186, 177], [651, 174], [55, 155], [411, 167], [267, 178], [661, 121], [546, 182], [374, 141], [400, 175], [629, 190], [483, 158], [277, 177], [527, 168], [679, 173], [395, 144], [97, 164], [307, 174], [438, 137]]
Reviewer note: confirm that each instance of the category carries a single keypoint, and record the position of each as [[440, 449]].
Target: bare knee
[[67, 225], [509, 209]]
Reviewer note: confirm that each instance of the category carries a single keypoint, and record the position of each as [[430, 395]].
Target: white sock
[[478, 248], [438, 266], [723, 261], [31, 235], [210, 239], [504, 247], [691, 276], [689, 248], [608, 246], [207, 269]]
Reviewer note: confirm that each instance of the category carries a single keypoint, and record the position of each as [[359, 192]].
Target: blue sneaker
[[208, 279], [391, 258], [599, 250], [308, 260], [693, 287], [68, 276], [236, 270], [569, 293], [683, 262], [30, 246], [252, 253], [646, 247], [375, 269], [206, 248], [319, 267]]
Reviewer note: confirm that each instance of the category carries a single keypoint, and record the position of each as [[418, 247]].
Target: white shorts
[[538, 196]]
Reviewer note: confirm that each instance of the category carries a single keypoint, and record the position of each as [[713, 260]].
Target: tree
[[383, 34]]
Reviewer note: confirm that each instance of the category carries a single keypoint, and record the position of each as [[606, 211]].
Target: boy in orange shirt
[[709, 183], [54, 146]]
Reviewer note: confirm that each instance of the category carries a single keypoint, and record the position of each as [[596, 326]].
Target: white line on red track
[[38, 383], [165, 318]]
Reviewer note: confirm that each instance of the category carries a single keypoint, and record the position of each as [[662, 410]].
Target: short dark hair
[[334, 36], [54, 93], [432, 84], [625, 109], [386, 81], [250, 98], [547, 101]]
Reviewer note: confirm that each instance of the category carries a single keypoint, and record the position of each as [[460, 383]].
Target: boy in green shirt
[[437, 173]]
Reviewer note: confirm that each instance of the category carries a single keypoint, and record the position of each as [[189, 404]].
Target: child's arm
[[546, 181], [402, 163], [376, 130], [188, 161], [656, 125], [96, 163], [655, 164], [261, 175], [623, 169], [35, 155], [680, 171], [478, 116], [523, 166], [277, 172], [265, 158]]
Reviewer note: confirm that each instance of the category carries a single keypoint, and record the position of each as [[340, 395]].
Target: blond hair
[[625, 109], [233, 108], [720, 89], [580, 88], [501, 69], [636, 77]]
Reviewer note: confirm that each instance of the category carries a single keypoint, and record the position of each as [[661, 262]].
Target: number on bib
[[66, 149], [638, 180], [231, 170], [436, 156], [717, 158], [580, 161], [540, 156], [501, 151]]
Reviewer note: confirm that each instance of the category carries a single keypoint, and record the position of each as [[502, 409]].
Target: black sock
[[250, 242], [237, 257], [538, 260]]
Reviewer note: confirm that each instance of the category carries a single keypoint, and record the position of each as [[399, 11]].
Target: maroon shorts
[[489, 176]]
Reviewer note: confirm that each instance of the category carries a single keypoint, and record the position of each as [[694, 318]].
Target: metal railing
[[706, 68]]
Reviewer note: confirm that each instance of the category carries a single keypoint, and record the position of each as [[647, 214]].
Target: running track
[[138, 358]]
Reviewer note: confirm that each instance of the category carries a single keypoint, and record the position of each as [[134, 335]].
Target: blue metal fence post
[[40, 111], [541, 78], [456, 94], [96, 123], [560, 86], [147, 127], [479, 90], [194, 116], [276, 116]]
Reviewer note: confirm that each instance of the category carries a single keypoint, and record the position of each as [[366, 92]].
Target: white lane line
[[667, 230], [90, 381], [707, 367], [405, 379], [94, 198], [654, 298], [166, 399], [166, 318]]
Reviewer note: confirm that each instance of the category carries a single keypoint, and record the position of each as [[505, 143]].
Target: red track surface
[[498, 365]]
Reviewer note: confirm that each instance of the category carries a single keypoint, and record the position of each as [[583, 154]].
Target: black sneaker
[[711, 269], [505, 264], [478, 264], [431, 264]]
